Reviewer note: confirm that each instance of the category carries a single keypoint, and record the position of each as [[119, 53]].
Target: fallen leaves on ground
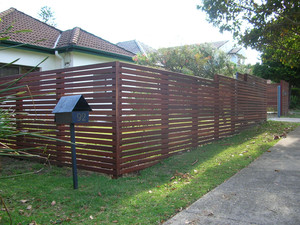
[[180, 176]]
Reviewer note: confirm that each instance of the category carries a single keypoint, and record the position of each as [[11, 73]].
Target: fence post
[[278, 101], [165, 116], [264, 85], [233, 106], [18, 112], [195, 114], [59, 127], [116, 123], [216, 108], [284, 89], [246, 113]]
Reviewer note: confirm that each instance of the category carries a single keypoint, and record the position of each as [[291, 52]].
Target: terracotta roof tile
[[54, 38], [21, 21], [82, 38]]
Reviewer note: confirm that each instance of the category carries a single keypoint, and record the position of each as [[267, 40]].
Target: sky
[[157, 23]]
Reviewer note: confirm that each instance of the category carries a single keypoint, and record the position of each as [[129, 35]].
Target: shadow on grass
[[151, 197]]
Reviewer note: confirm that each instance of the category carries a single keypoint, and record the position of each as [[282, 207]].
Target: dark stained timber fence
[[272, 97], [140, 115]]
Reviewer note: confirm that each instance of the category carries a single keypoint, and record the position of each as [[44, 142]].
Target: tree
[[199, 60], [263, 25], [47, 15], [276, 71]]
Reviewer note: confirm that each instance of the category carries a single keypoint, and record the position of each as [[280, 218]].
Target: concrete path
[[266, 192], [292, 120]]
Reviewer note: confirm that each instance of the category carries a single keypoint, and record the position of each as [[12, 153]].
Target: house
[[136, 47], [237, 54], [74, 47]]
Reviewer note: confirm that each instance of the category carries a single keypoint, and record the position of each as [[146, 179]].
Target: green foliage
[[6, 124], [8, 117], [263, 25], [295, 98], [276, 71], [295, 91], [199, 60], [295, 102], [47, 15]]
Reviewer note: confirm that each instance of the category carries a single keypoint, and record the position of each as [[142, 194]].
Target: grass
[[150, 197], [294, 113]]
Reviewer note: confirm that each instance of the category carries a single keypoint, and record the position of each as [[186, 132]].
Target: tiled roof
[[21, 21], [53, 37], [218, 44], [82, 38], [234, 50], [136, 47]]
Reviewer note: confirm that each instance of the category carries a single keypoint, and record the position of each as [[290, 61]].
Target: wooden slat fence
[[284, 97], [272, 97], [97, 84], [140, 115]]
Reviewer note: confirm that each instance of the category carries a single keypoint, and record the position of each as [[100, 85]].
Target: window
[[14, 69]]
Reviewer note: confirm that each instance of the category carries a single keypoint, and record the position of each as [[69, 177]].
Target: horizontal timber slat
[[140, 115]]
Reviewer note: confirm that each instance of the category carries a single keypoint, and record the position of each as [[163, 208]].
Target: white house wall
[[30, 58], [80, 59], [226, 47], [33, 58], [234, 59]]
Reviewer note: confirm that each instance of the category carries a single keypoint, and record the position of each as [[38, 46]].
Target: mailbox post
[[70, 110]]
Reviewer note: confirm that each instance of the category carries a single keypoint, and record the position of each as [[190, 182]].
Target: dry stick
[[32, 101], [23, 174], [195, 162], [6, 209]]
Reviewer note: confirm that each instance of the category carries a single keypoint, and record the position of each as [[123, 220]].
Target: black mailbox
[[72, 109]]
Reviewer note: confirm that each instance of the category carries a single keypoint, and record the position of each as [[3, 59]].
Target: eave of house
[[91, 51], [34, 48], [27, 47]]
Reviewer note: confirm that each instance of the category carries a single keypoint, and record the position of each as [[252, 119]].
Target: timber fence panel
[[140, 114], [251, 98], [272, 96], [95, 149]]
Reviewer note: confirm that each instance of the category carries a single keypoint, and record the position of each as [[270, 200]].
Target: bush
[[295, 102], [295, 91], [295, 98]]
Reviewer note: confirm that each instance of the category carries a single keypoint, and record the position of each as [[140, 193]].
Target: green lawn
[[149, 197]]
